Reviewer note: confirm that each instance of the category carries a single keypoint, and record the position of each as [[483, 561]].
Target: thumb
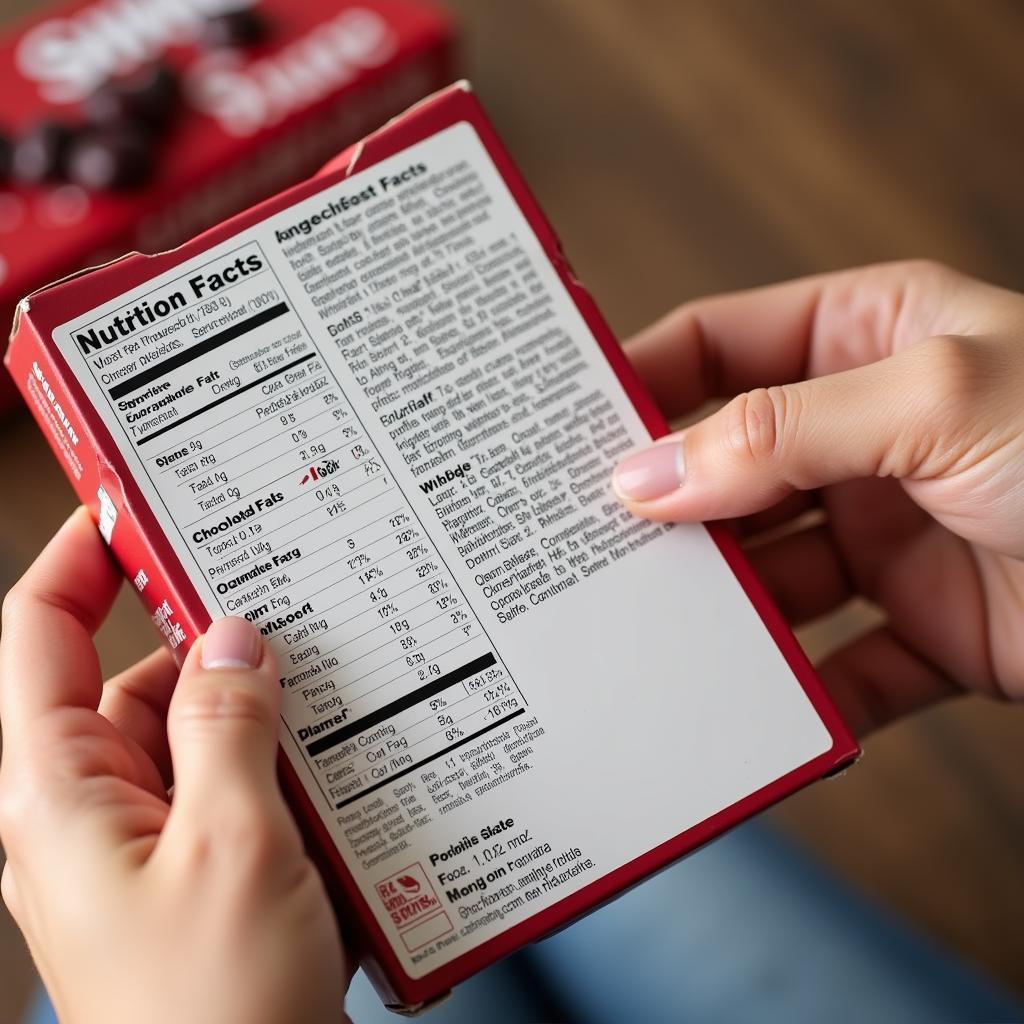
[[222, 725], [877, 419]]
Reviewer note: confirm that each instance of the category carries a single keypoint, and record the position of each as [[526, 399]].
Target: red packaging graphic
[[251, 119], [377, 415]]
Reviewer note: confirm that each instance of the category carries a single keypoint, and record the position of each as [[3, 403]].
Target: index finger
[[47, 658], [720, 346]]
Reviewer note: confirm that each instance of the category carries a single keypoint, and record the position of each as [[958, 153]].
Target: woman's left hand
[[138, 906]]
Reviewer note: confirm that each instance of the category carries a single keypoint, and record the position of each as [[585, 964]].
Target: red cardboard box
[[377, 415], [253, 120]]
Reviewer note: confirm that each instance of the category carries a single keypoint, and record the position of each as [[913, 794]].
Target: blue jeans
[[750, 929]]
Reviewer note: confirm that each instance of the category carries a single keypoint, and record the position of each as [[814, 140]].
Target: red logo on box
[[408, 896]]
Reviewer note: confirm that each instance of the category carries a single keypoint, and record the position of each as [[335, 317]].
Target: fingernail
[[650, 474], [231, 643]]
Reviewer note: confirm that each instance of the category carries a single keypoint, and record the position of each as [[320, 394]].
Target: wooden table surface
[[689, 146]]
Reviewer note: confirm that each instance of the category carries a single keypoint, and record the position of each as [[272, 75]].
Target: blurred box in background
[[134, 124]]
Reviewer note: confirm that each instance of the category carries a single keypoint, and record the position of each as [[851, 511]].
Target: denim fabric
[[750, 929]]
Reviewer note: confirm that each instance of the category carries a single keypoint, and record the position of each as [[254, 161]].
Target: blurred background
[[689, 146]]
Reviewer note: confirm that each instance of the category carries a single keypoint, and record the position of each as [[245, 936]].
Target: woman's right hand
[[892, 398]]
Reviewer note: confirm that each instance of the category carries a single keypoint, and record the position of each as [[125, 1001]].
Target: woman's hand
[[893, 398], [138, 907]]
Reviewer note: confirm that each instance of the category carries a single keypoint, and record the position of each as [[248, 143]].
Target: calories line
[[224, 398]]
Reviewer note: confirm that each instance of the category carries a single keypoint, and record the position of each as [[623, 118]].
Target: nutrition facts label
[[290, 511], [376, 425]]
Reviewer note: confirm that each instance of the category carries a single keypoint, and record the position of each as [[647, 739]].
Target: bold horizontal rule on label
[[332, 739], [212, 343]]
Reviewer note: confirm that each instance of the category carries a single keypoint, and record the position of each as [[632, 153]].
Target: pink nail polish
[[231, 643], [650, 474]]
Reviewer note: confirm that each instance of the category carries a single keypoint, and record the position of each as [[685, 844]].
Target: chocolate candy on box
[[134, 124]]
